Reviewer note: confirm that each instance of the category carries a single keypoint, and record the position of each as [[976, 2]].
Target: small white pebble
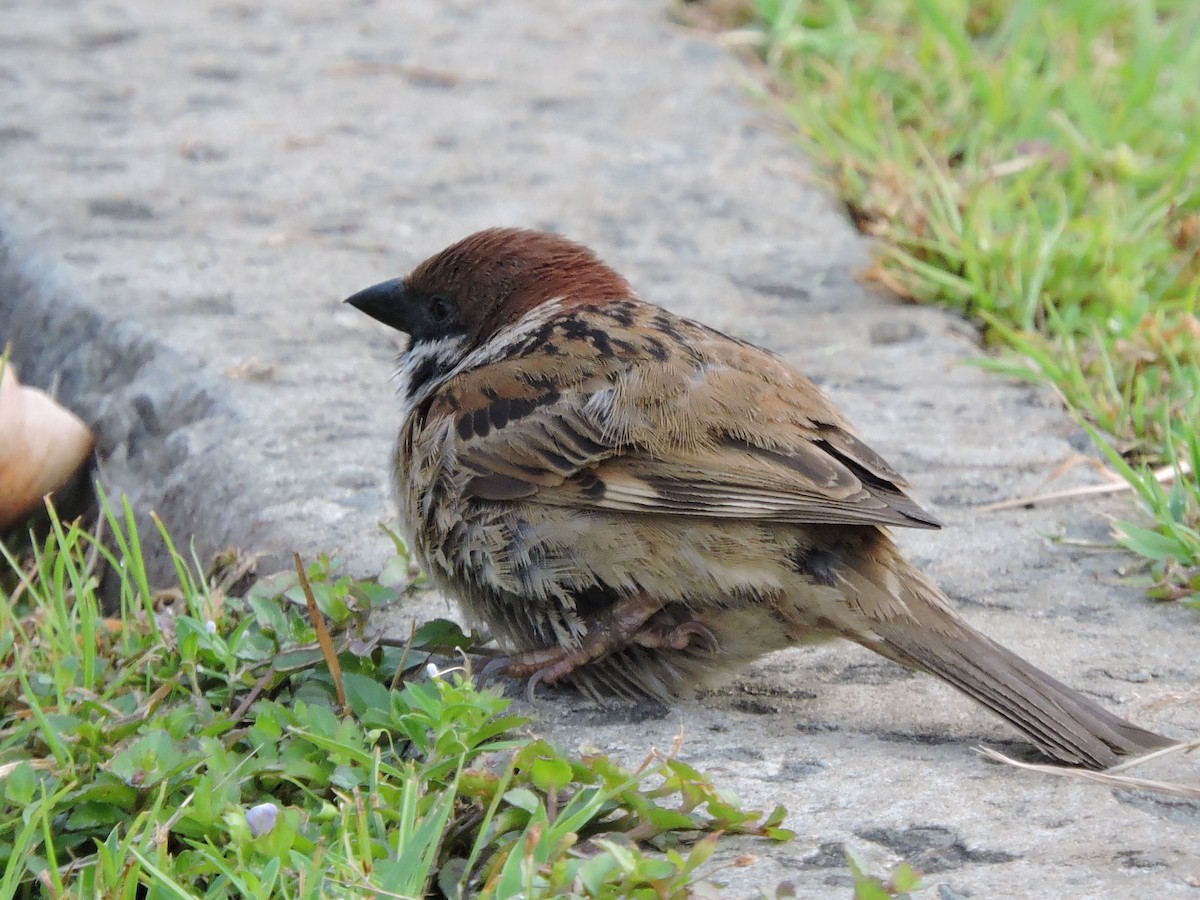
[[261, 818]]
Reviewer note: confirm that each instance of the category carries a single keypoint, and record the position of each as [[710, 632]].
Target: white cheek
[[444, 353], [448, 360]]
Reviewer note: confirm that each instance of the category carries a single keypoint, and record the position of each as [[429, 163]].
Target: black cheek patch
[[422, 373]]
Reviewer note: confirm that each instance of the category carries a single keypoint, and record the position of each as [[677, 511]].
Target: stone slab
[[189, 189]]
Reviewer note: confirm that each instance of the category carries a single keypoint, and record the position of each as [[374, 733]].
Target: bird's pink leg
[[617, 628], [621, 626], [677, 637]]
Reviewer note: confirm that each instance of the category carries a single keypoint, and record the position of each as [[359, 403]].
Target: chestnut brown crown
[[488, 280]]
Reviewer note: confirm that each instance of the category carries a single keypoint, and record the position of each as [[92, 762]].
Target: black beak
[[384, 302]]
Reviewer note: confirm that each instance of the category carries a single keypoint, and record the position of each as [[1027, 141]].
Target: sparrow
[[640, 505]]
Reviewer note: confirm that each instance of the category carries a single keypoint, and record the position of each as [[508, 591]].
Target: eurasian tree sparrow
[[639, 504]]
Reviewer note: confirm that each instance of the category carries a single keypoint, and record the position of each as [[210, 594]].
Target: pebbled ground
[[189, 189]]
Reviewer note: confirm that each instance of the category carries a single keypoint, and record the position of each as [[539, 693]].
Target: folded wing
[[724, 431]]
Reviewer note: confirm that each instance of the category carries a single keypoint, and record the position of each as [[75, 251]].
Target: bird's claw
[[531, 687], [497, 665], [677, 637]]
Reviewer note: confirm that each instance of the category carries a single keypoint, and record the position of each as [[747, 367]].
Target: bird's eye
[[441, 308]]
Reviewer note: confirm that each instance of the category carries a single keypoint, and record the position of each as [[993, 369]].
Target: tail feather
[[923, 632], [1059, 720]]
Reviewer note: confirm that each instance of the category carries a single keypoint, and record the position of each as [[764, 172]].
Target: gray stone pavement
[[188, 189]]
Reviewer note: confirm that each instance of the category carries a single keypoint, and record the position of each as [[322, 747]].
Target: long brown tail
[[1059, 720]]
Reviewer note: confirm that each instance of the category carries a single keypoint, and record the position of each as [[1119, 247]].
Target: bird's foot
[[677, 637], [624, 625], [617, 628]]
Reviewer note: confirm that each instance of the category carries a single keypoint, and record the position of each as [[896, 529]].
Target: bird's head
[[473, 289]]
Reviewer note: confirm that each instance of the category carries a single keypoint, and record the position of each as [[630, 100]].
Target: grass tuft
[[1034, 164], [194, 745]]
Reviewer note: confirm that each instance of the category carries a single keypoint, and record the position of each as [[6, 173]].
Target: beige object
[[41, 446]]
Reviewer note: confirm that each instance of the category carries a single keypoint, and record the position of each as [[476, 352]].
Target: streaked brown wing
[[717, 429], [737, 480]]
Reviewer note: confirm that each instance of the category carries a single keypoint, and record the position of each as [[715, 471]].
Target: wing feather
[[717, 429]]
